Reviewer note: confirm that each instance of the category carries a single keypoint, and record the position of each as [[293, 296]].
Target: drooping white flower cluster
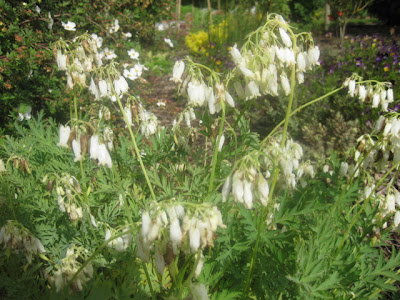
[[99, 146], [77, 60], [198, 93], [264, 65], [379, 153], [149, 122], [378, 95], [167, 230], [121, 243], [69, 265], [288, 159], [135, 72], [67, 190], [17, 238], [114, 27], [115, 86], [246, 186]]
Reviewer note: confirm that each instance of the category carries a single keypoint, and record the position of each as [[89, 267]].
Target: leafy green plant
[[123, 208]]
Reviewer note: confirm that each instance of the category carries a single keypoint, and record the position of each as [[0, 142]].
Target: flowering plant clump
[[200, 208]]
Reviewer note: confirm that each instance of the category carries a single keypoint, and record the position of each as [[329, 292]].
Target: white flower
[[196, 93], [237, 57], [131, 74], [168, 41], [177, 72], [245, 71], [396, 220], [109, 53], [69, 26], [390, 95], [194, 238], [344, 166], [25, 113], [133, 54], [175, 232], [104, 157], [352, 87], [114, 27], [248, 194], [211, 100], [120, 85], [229, 99], [51, 22], [128, 113], [300, 77], [263, 190], [93, 89], [237, 187], [285, 38], [285, 84], [94, 148], [97, 39], [313, 55], [126, 35], [362, 93], [301, 62], [226, 189], [76, 147], [61, 61], [252, 90], [239, 89], [64, 136], [376, 100], [221, 143]]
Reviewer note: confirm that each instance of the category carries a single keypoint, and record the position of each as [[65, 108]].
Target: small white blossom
[[169, 42], [64, 136], [177, 72], [71, 26]]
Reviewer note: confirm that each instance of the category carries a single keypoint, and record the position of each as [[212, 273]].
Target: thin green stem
[[137, 151], [215, 155]]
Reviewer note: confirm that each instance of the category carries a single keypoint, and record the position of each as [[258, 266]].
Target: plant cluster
[[28, 29], [111, 205]]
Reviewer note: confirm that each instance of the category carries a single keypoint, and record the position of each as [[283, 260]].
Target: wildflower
[[352, 87], [252, 90], [237, 57], [175, 232], [210, 96], [263, 190], [131, 74], [285, 83], [133, 54], [94, 90], [177, 72], [61, 61], [25, 113], [109, 54], [159, 259], [104, 157], [126, 35], [97, 39], [221, 143], [2, 166], [64, 136], [226, 189], [120, 85], [194, 238], [285, 37], [76, 147], [115, 27], [313, 55], [245, 71], [198, 291], [69, 26], [51, 22], [229, 99], [196, 93], [301, 63], [239, 89], [389, 95], [169, 42]]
